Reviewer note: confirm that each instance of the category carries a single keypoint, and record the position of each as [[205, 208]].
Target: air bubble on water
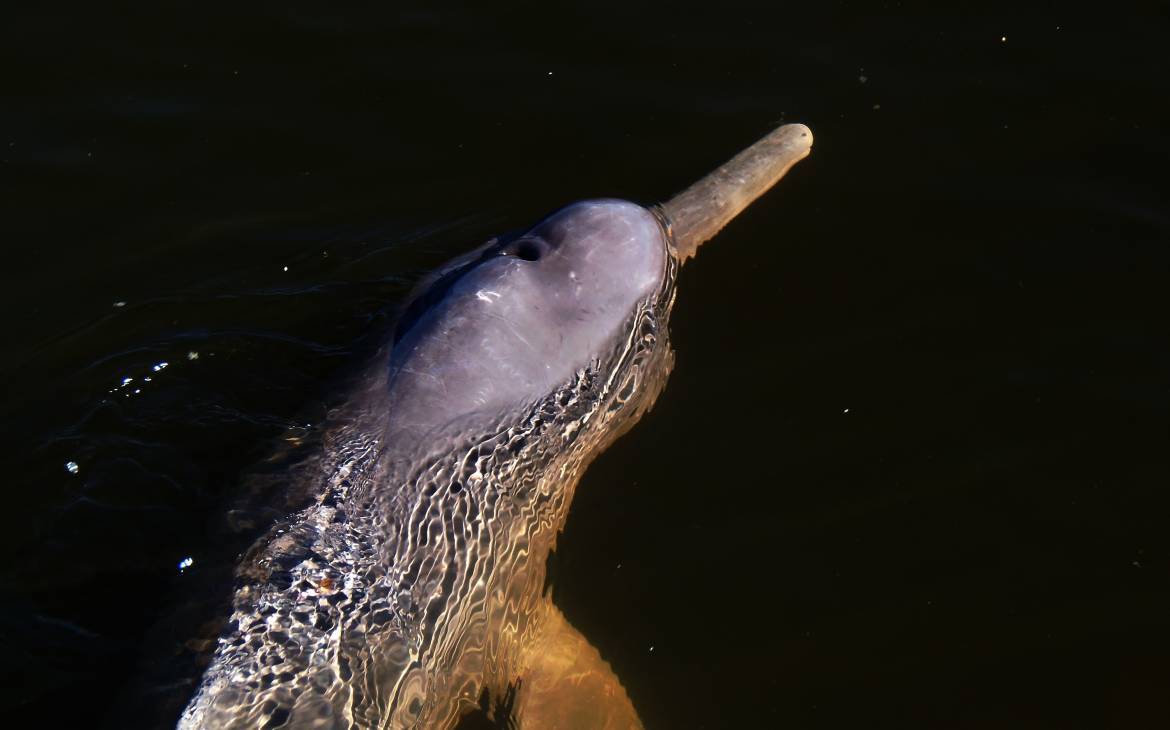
[[186, 562], [72, 467], [126, 381], [119, 304], [160, 366], [192, 355]]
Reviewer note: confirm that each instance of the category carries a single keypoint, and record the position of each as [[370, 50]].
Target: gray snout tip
[[700, 211]]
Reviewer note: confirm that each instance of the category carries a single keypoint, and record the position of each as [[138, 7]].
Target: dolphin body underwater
[[412, 588]]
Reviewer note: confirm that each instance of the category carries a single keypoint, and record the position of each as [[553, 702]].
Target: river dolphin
[[411, 589]]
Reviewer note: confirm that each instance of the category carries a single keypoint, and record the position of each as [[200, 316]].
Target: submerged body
[[413, 586]]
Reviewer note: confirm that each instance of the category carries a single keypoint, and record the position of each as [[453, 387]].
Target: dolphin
[[410, 591]]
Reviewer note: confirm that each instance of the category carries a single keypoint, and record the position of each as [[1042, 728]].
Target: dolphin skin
[[410, 591]]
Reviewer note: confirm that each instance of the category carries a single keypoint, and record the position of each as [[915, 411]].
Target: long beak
[[695, 215]]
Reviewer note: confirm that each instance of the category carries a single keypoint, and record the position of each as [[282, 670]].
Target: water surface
[[910, 469]]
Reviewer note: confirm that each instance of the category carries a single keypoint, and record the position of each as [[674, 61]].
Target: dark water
[[912, 467]]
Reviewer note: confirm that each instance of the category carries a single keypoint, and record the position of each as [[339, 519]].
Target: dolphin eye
[[529, 249]]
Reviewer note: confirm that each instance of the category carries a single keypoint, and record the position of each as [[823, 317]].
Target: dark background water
[[911, 469]]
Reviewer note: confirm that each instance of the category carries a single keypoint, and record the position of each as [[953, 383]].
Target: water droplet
[[186, 562], [160, 366], [72, 467], [192, 355], [119, 304]]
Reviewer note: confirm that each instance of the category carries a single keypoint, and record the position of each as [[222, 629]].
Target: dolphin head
[[504, 325], [507, 323]]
